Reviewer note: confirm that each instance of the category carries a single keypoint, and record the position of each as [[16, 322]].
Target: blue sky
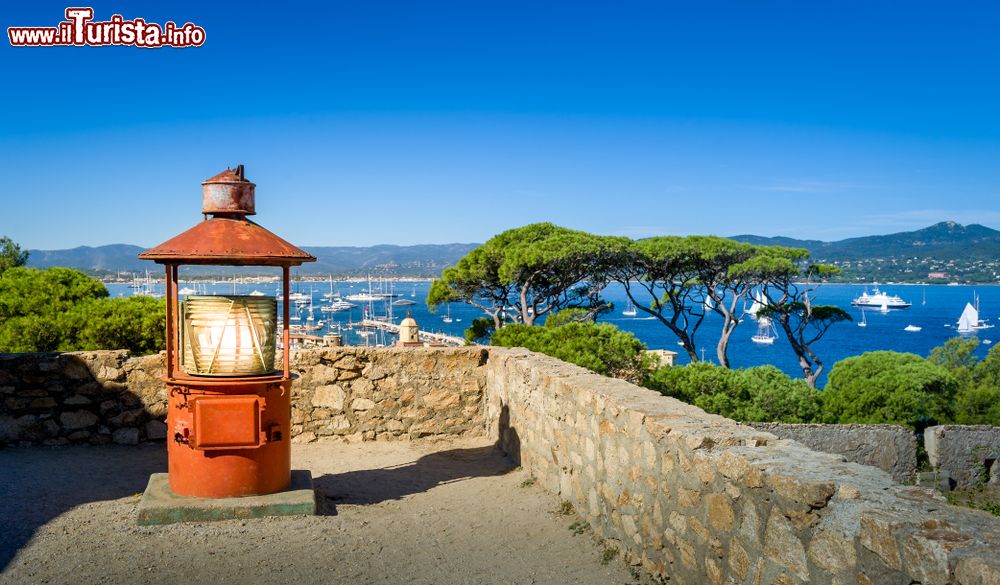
[[434, 122]]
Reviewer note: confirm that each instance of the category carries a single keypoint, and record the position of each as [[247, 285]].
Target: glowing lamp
[[228, 335], [228, 409]]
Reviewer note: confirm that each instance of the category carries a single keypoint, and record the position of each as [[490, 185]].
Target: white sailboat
[[630, 310], [864, 321], [447, 318], [766, 332], [970, 321], [756, 305]]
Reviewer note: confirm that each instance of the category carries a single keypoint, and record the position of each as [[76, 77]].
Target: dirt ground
[[410, 513]]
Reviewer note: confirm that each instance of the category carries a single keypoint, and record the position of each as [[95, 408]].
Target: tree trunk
[[722, 348]]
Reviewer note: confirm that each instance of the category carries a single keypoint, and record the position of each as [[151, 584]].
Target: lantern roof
[[227, 241]]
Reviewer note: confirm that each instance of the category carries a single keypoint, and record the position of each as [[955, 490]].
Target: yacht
[[299, 298], [337, 305], [912, 328], [970, 321], [630, 310], [766, 333], [880, 299]]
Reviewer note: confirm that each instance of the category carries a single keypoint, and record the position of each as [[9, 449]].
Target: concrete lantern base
[[161, 506]]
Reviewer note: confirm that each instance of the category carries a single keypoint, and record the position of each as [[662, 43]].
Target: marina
[[925, 324]]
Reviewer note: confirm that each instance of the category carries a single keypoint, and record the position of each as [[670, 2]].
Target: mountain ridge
[[383, 259], [946, 240], [945, 247]]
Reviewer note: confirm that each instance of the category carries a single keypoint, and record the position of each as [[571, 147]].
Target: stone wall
[[968, 455], [702, 499], [342, 393], [891, 448], [692, 496], [82, 397], [356, 393]]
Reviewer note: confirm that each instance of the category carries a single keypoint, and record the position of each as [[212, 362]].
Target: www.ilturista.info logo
[[80, 30]]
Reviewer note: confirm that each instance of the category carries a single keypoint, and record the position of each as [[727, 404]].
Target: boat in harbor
[[337, 305], [912, 328], [300, 298], [756, 305], [864, 321], [879, 299], [630, 310], [766, 332], [970, 321], [403, 302]]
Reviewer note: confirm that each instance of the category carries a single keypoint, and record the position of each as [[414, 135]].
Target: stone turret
[[409, 332]]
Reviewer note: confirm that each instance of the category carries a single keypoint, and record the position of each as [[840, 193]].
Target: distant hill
[[110, 258], [961, 253], [422, 260], [944, 241]]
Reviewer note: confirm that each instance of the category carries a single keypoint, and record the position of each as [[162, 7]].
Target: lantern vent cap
[[228, 194]]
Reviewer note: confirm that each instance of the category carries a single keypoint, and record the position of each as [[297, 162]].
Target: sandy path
[[413, 513]]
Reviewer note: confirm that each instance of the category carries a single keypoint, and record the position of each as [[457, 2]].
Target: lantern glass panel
[[228, 335]]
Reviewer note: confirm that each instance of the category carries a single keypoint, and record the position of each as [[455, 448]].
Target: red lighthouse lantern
[[229, 409]]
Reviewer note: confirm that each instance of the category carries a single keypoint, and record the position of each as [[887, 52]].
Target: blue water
[[884, 331]]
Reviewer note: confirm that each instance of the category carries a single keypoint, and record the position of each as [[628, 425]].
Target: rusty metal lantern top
[[228, 193], [228, 238]]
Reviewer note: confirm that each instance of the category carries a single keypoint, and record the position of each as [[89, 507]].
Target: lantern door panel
[[226, 422]]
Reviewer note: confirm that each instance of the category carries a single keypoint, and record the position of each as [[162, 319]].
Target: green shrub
[[761, 394], [889, 387], [135, 323], [60, 309], [978, 405], [600, 347]]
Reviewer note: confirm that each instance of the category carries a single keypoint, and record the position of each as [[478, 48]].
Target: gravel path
[[413, 513]]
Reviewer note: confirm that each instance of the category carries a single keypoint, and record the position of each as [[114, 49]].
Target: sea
[[935, 310]]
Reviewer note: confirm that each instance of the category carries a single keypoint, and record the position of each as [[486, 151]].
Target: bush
[[889, 387], [135, 323], [761, 394], [30, 291], [60, 309], [977, 400], [600, 347], [480, 330], [978, 405]]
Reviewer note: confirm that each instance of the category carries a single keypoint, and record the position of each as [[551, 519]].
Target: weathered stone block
[[783, 547], [329, 396], [833, 552], [877, 535], [720, 512], [127, 436], [77, 419]]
